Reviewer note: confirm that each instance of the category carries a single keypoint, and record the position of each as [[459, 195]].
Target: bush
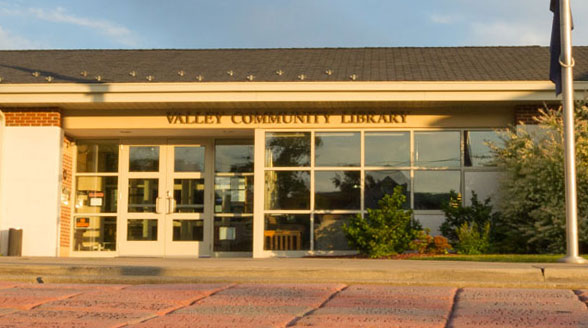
[[478, 214], [532, 192], [384, 231], [424, 243], [472, 241]]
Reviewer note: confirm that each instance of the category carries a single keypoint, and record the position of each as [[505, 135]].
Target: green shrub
[[384, 231], [478, 213], [471, 240], [532, 201]]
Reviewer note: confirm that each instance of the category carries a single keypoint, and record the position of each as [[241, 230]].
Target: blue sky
[[113, 24]]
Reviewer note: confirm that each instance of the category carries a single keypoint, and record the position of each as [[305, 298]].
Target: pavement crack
[[449, 322], [309, 312]]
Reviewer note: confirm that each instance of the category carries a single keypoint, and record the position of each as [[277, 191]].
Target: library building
[[249, 152]]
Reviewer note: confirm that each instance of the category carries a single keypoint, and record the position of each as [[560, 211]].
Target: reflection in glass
[[328, 232], [337, 148], [142, 230], [431, 188], [143, 195], [97, 156], [233, 194], [437, 148], [234, 158], [188, 230], [189, 159], [387, 149], [476, 151], [283, 149], [380, 183], [233, 234], [96, 194], [189, 195], [94, 233], [287, 232], [143, 158], [484, 184], [337, 190], [287, 190]]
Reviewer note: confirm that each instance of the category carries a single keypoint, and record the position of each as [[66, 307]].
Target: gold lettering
[[208, 119], [327, 117], [345, 120], [170, 118], [234, 119], [298, 118], [218, 118], [275, 119], [247, 119], [287, 119]]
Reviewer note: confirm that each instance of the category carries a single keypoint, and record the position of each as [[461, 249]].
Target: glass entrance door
[[166, 199]]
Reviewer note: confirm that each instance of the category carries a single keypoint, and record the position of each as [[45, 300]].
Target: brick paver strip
[[384, 306], [484, 307], [79, 318], [25, 298]]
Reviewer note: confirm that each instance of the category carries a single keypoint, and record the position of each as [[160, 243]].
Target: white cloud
[[504, 33], [9, 41], [59, 15]]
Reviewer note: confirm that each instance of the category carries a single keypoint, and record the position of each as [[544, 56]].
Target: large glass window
[[477, 151], [337, 190], [189, 159], [96, 195], [387, 149], [287, 232], [143, 158], [436, 148], [350, 171], [337, 148], [287, 149], [431, 188], [233, 193]]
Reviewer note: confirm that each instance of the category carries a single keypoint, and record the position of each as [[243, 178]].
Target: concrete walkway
[[286, 305], [293, 270]]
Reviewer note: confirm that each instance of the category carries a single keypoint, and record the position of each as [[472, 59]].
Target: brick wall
[[527, 113], [66, 189], [32, 116]]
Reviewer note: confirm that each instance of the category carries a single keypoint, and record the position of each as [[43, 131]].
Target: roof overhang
[[105, 95]]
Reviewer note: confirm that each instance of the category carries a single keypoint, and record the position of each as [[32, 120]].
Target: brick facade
[[32, 116], [66, 190], [526, 114]]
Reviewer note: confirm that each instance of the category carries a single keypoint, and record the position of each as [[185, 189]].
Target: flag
[[555, 47]]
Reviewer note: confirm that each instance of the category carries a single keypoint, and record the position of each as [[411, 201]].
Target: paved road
[[287, 305]]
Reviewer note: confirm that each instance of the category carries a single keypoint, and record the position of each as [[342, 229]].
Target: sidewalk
[[293, 270]]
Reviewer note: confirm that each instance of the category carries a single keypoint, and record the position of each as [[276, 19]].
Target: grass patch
[[513, 258]]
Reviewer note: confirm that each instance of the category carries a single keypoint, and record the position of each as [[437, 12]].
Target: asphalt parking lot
[[286, 305]]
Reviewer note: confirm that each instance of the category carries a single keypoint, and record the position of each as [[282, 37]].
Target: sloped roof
[[284, 65]]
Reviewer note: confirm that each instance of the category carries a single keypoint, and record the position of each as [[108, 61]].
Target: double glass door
[[166, 199]]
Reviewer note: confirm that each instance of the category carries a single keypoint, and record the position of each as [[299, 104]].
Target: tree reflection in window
[[337, 190], [287, 190], [283, 149]]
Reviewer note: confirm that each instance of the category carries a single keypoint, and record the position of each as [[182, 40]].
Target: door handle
[[171, 203], [157, 207]]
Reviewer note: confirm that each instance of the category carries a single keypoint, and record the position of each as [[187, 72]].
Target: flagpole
[[567, 63]]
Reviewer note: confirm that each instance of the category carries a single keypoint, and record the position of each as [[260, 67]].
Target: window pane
[[188, 230], [234, 158], [337, 148], [143, 195], [96, 194], [287, 232], [337, 190], [284, 149], [97, 156], [189, 195], [485, 184], [189, 159], [142, 229], [233, 234], [387, 149], [431, 188], [380, 183], [476, 151], [437, 148], [95, 233], [233, 194], [287, 190], [328, 232], [144, 158]]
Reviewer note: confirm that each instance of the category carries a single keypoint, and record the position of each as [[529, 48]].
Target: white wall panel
[[30, 190]]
